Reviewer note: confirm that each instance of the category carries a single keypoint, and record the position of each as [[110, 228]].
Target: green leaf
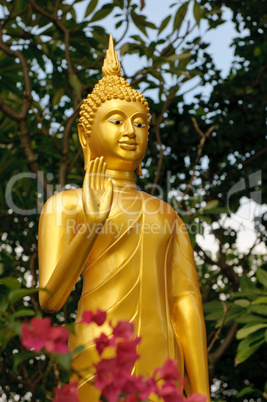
[[164, 24], [244, 332], [119, 3], [198, 12], [124, 48], [139, 22], [252, 319], [64, 360], [8, 332], [23, 313], [211, 204], [245, 391], [258, 309], [3, 304], [18, 294], [21, 357], [242, 302], [76, 84], [10, 283], [103, 12], [260, 300], [179, 17], [57, 96], [181, 56], [91, 6], [248, 346], [262, 277]]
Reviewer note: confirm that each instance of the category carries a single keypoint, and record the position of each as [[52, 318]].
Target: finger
[[99, 178], [103, 175], [94, 173], [108, 193], [86, 183]]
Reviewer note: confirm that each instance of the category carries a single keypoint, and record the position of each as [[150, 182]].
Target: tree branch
[[27, 99], [65, 152], [226, 342], [199, 153], [157, 132], [217, 333]]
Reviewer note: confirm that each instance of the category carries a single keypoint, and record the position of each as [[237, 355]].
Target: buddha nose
[[129, 129]]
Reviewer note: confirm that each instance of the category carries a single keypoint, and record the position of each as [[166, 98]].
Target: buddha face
[[120, 134]]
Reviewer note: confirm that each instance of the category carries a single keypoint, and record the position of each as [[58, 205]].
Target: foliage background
[[205, 157]]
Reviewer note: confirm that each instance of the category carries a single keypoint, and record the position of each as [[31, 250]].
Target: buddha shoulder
[[67, 202], [153, 205]]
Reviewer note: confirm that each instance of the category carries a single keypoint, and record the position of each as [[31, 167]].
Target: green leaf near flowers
[[64, 360], [10, 283], [8, 332], [18, 294], [21, 357], [23, 313]]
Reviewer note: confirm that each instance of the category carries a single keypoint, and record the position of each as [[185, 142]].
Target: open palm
[[97, 192]]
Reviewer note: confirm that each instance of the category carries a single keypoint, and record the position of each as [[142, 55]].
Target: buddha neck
[[121, 178]]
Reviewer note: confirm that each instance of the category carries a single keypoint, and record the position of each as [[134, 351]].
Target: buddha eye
[[139, 125], [115, 121]]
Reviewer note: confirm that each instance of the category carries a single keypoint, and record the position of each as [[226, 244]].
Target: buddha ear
[[83, 137], [139, 170]]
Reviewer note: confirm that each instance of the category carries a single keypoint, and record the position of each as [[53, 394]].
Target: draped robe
[[140, 263]]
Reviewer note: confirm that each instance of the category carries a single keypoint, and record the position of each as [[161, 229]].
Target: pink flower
[[168, 371], [109, 378], [34, 335], [39, 334], [57, 339], [169, 393], [68, 393], [196, 398], [102, 342], [126, 353], [150, 386], [99, 317], [133, 385], [123, 329], [139, 388]]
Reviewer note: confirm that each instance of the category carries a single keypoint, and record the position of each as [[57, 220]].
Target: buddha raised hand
[[133, 249]]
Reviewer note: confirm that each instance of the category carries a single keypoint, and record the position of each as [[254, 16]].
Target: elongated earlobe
[[87, 157], [139, 170], [83, 137]]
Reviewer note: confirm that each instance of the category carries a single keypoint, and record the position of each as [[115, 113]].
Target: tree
[[49, 60]]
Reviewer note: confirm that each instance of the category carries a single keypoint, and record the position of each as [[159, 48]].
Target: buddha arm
[[187, 314], [61, 259], [62, 251]]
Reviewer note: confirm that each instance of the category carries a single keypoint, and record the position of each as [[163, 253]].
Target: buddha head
[[114, 120]]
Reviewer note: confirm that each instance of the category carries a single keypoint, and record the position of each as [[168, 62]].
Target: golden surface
[[133, 249]]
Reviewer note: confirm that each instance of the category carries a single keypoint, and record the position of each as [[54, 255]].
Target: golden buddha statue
[[132, 248]]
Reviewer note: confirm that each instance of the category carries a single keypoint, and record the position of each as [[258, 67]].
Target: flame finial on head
[[112, 66]]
